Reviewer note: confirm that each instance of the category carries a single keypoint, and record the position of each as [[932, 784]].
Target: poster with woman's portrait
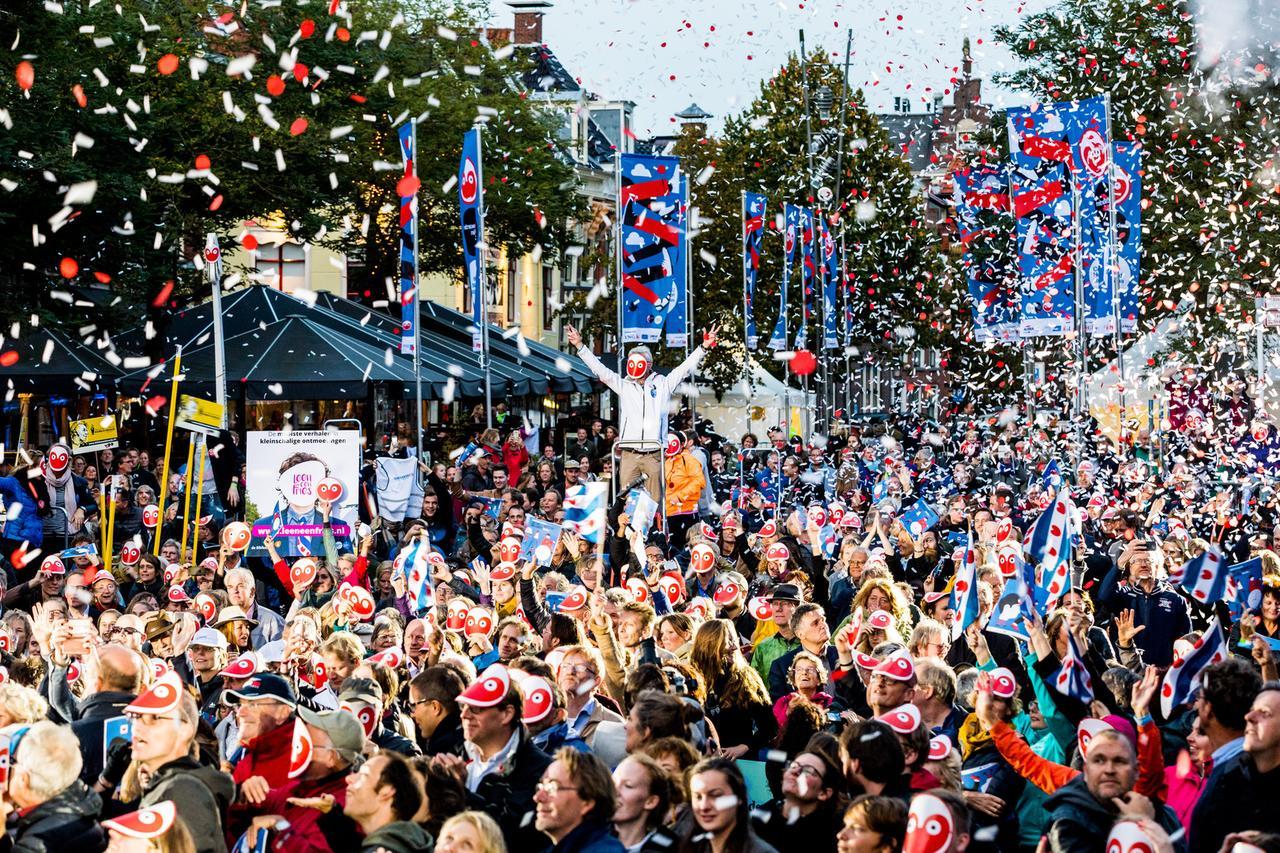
[[289, 475]]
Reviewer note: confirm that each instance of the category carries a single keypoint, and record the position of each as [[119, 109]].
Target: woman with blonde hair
[[21, 705], [879, 594], [470, 832], [737, 702]]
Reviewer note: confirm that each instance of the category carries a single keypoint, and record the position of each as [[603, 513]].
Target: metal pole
[[484, 281], [213, 257], [1082, 339], [168, 448], [810, 198], [688, 289], [619, 290], [1113, 255], [417, 300]]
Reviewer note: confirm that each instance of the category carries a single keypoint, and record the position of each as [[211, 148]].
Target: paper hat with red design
[[161, 698], [880, 620], [146, 823], [760, 608], [903, 719], [159, 666], [701, 606], [489, 688], [727, 593], [509, 549], [777, 551], [503, 572], [575, 600], [673, 588], [391, 658], [1127, 836], [538, 699], [939, 747], [73, 672], [897, 666], [1002, 682], [769, 528], [866, 661], [1089, 727], [707, 531], [242, 667], [931, 597], [303, 571], [177, 595], [53, 565], [479, 621], [638, 589]]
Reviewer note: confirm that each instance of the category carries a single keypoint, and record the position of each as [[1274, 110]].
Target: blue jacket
[[593, 836], [1162, 612], [25, 523]]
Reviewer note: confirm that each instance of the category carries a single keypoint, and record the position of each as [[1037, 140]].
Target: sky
[[662, 55]]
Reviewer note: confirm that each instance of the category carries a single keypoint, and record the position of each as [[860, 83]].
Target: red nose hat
[[865, 661], [639, 591], [503, 572], [489, 689], [574, 601], [390, 658], [904, 719], [769, 528], [159, 666], [726, 593], [303, 571], [939, 747], [880, 620], [53, 565], [178, 595], [73, 673], [161, 698], [761, 609], [1003, 684], [897, 666], [242, 667], [708, 532], [145, 824], [538, 702], [701, 606], [777, 551], [673, 588]]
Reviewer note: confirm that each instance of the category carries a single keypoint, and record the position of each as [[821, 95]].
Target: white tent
[[753, 404]]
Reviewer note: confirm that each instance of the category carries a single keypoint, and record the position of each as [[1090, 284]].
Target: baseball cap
[[342, 728], [266, 685], [272, 652], [209, 638], [364, 690], [572, 463]]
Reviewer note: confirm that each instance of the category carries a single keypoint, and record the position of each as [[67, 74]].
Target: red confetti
[[25, 74], [250, 242], [78, 92], [163, 296], [343, 34], [203, 161], [803, 363], [9, 358], [407, 186], [299, 71], [298, 127], [216, 203], [68, 267], [155, 404], [102, 278], [307, 28], [167, 64], [275, 85]]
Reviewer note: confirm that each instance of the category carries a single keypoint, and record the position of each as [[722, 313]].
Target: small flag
[[1073, 678], [1016, 605], [964, 595], [1203, 576], [919, 518], [540, 541], [584, 510], [1048, 547], [1244, 586], [641, 510], [1183, 678], [1052, 476]]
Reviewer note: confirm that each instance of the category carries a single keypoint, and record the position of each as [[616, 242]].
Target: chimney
[[528, 21]]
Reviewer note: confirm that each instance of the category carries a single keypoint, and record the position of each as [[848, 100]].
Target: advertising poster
[[288, 473], [93, 434]]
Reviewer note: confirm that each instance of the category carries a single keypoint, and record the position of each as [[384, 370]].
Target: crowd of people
[[786, 656]]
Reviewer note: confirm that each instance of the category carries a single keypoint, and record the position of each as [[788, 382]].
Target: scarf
[[972, 736], [68, 486]]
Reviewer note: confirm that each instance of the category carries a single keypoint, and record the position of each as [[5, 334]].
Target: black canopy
[[48, 362]]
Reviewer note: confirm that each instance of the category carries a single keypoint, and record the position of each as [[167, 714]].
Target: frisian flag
[[1128, 200], [753, 211], [417, 574], [790, 235], [982, 206], [1051, 478], [408, 189], [1244, 587], [1017, 605], [651, 233], [1183, 678], [964, 594], [1203, 576], [1073, 676], [471, 205], [830, 283], [584, 510], [1048, 547]]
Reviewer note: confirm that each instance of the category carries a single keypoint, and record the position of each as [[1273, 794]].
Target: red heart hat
[[177, 595], [769, 528], [145, 823], [904, 719], [538, 699], [880, 620], [242, 667], [575, 600], [760, 608], [53, 565], [897, 666], [390, 658], [503, 572], [161, 698], [1003, 684], [639, 591], [939, 747], [777, 551], [727, 593], [489, 688]]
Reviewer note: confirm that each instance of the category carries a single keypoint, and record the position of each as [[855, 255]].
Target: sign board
[[197, 415], [286, 474], [93, 434]]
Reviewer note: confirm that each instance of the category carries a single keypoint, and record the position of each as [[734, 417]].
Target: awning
[[48, 362]]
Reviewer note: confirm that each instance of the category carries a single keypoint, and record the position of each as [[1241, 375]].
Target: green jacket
[[769, 651], [400, 837]]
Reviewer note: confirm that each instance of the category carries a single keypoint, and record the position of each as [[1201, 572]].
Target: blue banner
[[1128, 195], [1046, 249], [753, 208], [677, 323], [982, 206], [790, 234], [408, 227], [1074, 135], [830, 282], [808, 274], [652, 236], [471, 201]]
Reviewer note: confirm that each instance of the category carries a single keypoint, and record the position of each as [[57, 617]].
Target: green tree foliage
[[195, 117]]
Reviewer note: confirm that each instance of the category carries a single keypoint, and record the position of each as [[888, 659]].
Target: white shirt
[[643, 406]]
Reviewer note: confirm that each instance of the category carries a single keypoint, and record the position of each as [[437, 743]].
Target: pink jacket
[[1184, 791]]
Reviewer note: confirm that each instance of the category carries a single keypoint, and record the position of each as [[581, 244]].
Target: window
[[282, 266], [513, 289], [548, 297]]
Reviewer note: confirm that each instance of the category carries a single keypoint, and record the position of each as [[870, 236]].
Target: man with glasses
[[206, 656], [1157, 608], [579, 677], [433, 704], [164, 721], [575, 801], [784, 600], [264, 710], [806, 816]]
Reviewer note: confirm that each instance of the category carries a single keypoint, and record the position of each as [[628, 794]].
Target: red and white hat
[[897, 666], [161, 698], [1003, 684], [177, 595], [769, 528], [53, 565], [1089, 727], [303, 572], [777, 551], [509, 549], [727, 593], [866, 661], [479, 622], [638, 589], [73, 672], [456, 614], [939, 747], [575, 600], [903, 719], [392, 658], [1127, 836], [760, 608], [702, 607], [702, 557], [672, 586], [489, 688], [538, 699], [208, 606], [673, 445], [503, 572], [242, 667], [881, 620], [361, 602], [159, 666], [146, 823]]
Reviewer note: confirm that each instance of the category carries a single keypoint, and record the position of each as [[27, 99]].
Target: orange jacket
[[684, 484], [1049, 776]]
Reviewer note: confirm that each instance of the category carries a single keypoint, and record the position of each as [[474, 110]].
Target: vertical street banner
[[753, 209], [407, 187], [651, 240], [471, 203], [982, 219], [830, 283], [808, 275], [1044, 228], [677, 322], [1128, 200], [790, 234], [1074, 135]]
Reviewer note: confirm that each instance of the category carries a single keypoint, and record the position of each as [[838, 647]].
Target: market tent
[[49, 362], [753, 404]]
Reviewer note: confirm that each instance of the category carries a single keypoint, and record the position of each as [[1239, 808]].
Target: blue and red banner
[[471, 201], [652, 235], [808, 274], [830, 283], [790, 236], [982, 211], [1046, 248], [408, 227], [677, 323], [1128, 196], [753, 208]]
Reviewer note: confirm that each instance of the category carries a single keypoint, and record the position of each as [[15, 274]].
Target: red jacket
[[311, 830], [267, 756], [514, 461]]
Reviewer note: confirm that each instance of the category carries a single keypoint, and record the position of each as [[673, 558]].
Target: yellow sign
[[199, 415], [93, 434]]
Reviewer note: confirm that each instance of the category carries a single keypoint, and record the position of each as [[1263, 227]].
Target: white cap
[[209, 638], [272, 652]]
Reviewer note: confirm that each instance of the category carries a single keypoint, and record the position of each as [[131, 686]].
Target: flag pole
[[213, 259], [617, 260], [482, 272], [1113, 260], [1082, 342], [168, 448], [417, 302], [186, 498], [746, 323], [195, 524], [688, 288]]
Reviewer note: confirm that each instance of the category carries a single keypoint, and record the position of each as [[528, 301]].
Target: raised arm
[[610, 379]]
